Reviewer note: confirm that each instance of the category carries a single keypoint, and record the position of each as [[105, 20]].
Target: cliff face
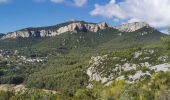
[[130, 27], [72, 26], [47, 32]]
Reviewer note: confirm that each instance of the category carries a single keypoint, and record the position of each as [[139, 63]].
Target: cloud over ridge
[[154, 12]]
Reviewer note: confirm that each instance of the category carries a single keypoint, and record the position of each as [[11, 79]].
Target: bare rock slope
[[130, 27], [74, 26], [71, 26]]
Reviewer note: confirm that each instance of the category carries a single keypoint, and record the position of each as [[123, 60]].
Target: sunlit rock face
[[140, 65], [130, 27], [74, 26]]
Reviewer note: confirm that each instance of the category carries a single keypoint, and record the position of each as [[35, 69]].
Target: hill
[[82, 55]]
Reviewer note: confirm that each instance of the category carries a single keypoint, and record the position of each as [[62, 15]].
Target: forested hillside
[[105, 65]]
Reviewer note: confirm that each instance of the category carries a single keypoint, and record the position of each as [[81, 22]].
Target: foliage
[[68, 57], [166, 41]]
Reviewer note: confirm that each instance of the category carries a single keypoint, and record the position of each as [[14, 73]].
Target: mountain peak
[[71, 26], [130, 27], [104, 24], [72, 20]]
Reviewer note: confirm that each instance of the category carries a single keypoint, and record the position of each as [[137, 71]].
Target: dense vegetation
[[155, 88], [66, 59]]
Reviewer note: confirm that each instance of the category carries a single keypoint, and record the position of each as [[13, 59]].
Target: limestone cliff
[[73, 26], [130, 27]]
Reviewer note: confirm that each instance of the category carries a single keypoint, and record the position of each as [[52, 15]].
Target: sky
[[18, 14]]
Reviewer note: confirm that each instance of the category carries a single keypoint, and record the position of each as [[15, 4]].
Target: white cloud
[[77, 3], [39, 1], [112, 1], [116, 20], [164, 31], [3, 1], [57, 1], [154, 12], [108, 10], [80, 3]]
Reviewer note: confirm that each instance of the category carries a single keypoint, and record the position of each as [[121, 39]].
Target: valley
[[81, 60]]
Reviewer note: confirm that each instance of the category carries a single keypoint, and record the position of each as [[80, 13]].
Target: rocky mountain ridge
[[131, 27], [71, 26], [74, 26]]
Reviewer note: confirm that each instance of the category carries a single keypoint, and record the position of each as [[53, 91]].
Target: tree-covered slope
[[61, 62]]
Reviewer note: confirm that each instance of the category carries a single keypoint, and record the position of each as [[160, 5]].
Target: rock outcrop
[[20, 88], [131, 27], [73, 26], [141, 64]]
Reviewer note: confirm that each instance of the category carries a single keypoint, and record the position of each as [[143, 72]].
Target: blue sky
[[17, 14]]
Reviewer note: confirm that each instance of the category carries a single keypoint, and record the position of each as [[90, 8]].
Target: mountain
[[75, 34], [130, 27], [78, 59], [71, 26], [1, 35]]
